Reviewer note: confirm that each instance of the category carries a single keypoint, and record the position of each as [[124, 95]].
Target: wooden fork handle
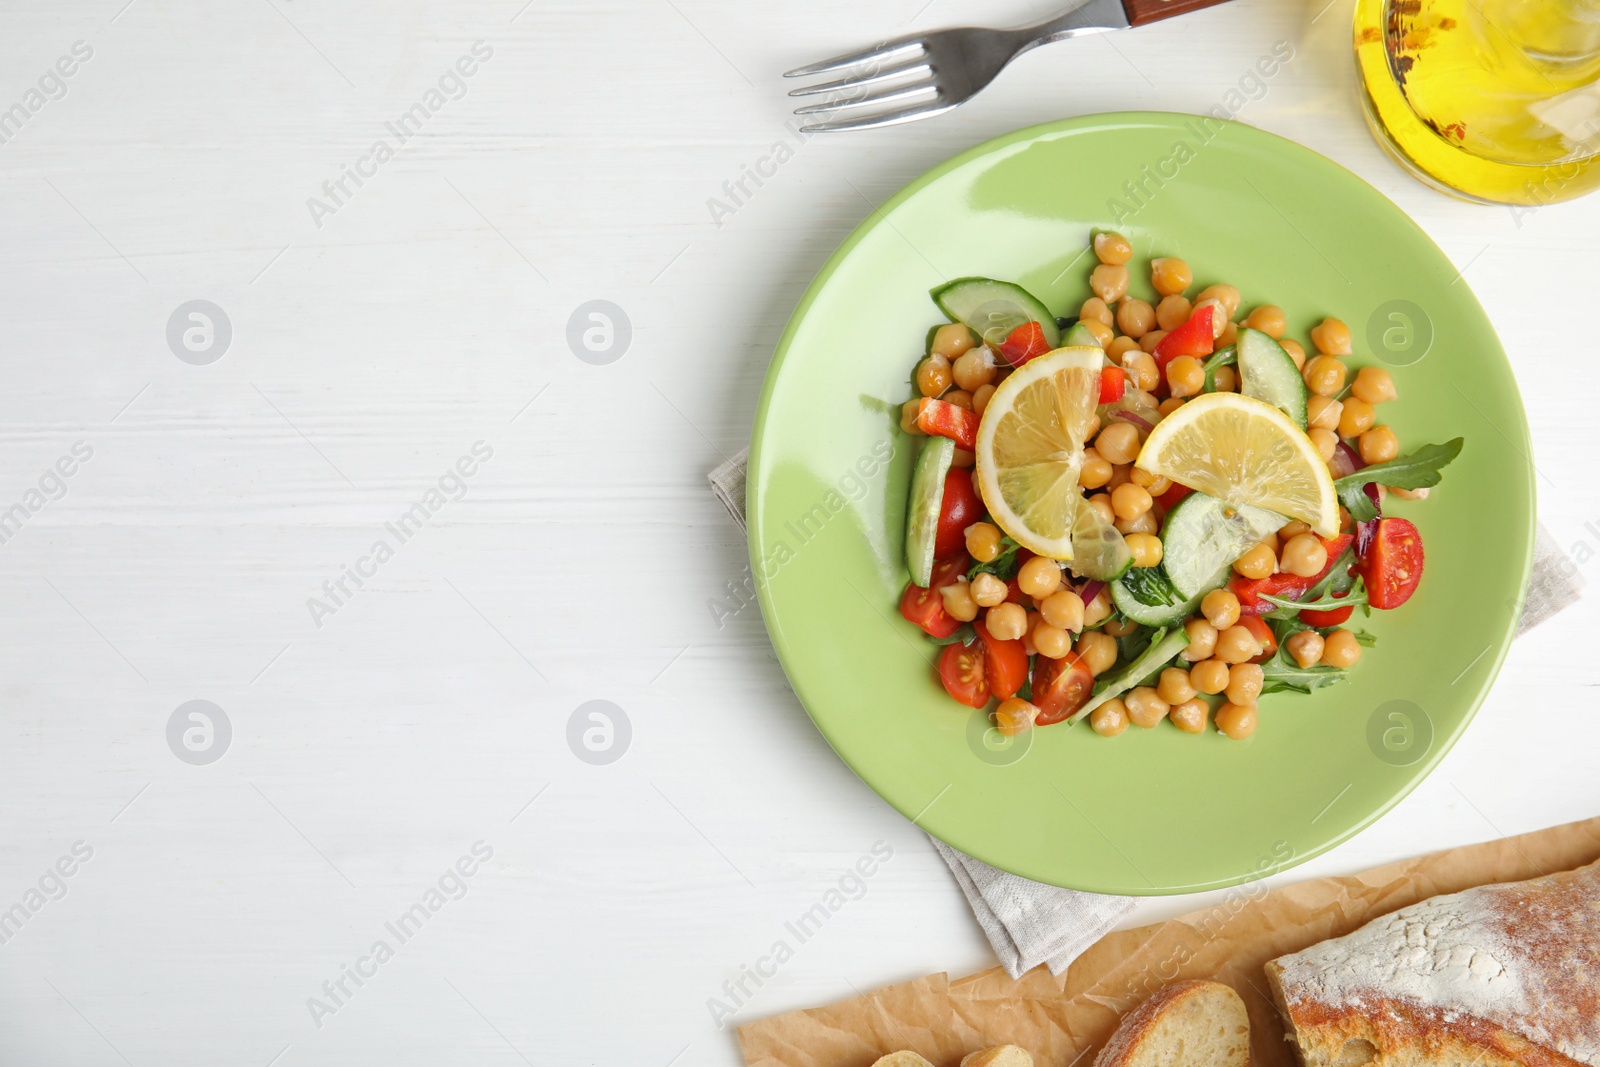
[[1142, 12]]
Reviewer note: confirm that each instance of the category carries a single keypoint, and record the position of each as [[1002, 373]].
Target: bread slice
[[1495, 976], [901, 1059], [1186, 1024], [999, 1056]]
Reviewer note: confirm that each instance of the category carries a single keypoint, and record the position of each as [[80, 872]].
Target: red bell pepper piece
[[1170, 498], [939, 419], [1331, 617], [1025, 342], [1113, 383], [1197, 337], [1283, 585], [1263, 635]]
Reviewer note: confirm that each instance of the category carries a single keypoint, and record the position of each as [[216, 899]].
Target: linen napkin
[[1030, 923]]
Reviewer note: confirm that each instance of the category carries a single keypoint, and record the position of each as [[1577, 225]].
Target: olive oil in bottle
[[1493, 100]]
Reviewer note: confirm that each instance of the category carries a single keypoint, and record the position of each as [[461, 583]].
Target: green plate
[[1155, 811]]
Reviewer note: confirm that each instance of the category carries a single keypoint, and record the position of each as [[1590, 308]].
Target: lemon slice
[[1244, 451], [1030, 447]]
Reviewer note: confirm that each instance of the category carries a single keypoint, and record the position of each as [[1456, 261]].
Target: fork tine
[[893, 96], [937, 106], [911, 66], [883, 50]]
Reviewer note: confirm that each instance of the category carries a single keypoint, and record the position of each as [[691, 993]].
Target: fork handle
[[1142, 12]]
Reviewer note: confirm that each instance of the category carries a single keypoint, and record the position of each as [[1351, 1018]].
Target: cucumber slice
[[1079, 335], [993, 309], [1162, 648], [1200, 539], [922, 510], [1266, 372], [1099, 551]]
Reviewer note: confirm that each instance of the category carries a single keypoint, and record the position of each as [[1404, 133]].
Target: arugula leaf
[[1420, 470], [964, 635], [1281, 674], [1164, 644], [1150, 585], [1131, 646], [1002, 566], [1227, 357], [1357, 597], [1365, 640]]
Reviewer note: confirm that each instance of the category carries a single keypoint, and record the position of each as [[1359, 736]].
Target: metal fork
[[930, 73]]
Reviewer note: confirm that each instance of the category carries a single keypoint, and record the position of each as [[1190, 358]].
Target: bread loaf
[[1186, 1024], [1495, 976]]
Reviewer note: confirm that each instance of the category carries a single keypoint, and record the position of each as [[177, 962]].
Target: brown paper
[[1064, 1020]]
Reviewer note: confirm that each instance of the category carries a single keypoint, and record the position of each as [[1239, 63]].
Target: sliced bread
[[1186, 1024]]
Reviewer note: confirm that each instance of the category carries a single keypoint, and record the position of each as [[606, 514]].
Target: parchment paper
[[1064, 1020]]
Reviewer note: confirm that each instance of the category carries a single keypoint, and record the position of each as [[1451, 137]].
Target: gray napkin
[[1030, 923]]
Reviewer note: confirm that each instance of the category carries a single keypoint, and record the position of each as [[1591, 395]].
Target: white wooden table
[[380, 334]]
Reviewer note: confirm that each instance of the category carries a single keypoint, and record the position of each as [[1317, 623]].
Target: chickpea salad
[[1149, 511]]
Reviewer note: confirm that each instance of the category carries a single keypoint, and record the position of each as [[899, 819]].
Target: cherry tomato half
[[925, 607], [1393, 564], [1060, 687], [959, 509], [961, 670], [1005, 662]]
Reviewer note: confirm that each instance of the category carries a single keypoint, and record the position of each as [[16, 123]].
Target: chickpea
[[973, 368], [1236, 721], [1173, 311], [1145, 707], [1130, 501], [958, 602], [1092, 427], [1095, 310], [1323, 412], [1039, 577], [1101, 502], [1109, 282], [1190, 716], [1135, 317], [1296, 352], [1030, 623], [1341, 649], [1408, 494], [1112, 248], [1170, 275], [1121, 346], [1143, 370], [1118, 443], [1095, 471], [908, 417], [987, 590], [1379, 445], [1051, 641], [962, 458], [1015, 716], [983, 541], [1325, 440], [1356, 418], [1145, 523], [1185, 376], [1324, 375], [981, 397], [1293, 528], [1221, 608], [1304, 556], [1269, 319], [1226, 379], [1202, 640], [1331, 337], [1244, 683], [1374, 385], [1169, 405], [1259, 562], [1226, 295], [1146, 549], [933, 376], [1210, 676], [1229, 335], [1063, 609], [1109, 719], [1149, 341], [1119, 476], [1005, 622], [952, 340], [1097, 611], [1102, 333], [1174, 686], [958, 398], [1236, 644], [1305, 647], [1120, 627], [1140, 476], [1098, 651]]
